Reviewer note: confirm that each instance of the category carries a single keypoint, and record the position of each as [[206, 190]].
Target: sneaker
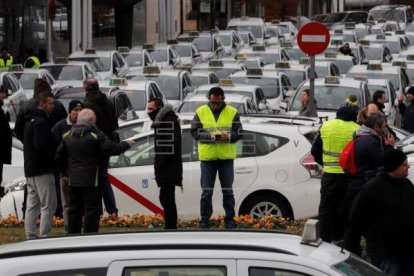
[[204, 225]]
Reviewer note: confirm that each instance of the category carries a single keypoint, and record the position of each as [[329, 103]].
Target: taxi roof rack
[[311, 233], [15, 67], [90, 51], [123, 49]]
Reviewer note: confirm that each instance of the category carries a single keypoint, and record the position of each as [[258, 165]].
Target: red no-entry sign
[[313, 38]]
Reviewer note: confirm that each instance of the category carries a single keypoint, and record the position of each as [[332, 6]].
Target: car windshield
[[133, 60], [65, 72], [256, 31], [295, 53], [245, 38], [410, 74], [138, 99], [204, 44], [199, 80], [388, 14], [160, 55], [26, 79], [321, 71], [354, 266], [327, 98], [225, 39], [191, 106], [295, 77], [334, 17], [183, 50], [375, 87], [101, 64], [343, 65], [272, 31], [373, 53], [378, 75], [270, 86], [169, 85], [394, 46], [284, 29]]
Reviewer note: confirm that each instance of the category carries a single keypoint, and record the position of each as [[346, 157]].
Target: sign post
[[313, 38]]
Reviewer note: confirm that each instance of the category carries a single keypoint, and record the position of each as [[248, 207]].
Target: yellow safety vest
[[218, 150], [35, 60], [9, 61], [335, 134]]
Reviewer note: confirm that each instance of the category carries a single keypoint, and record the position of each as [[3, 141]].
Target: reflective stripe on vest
[[35, 60], [8, 62], [218, 150], [335, 134]]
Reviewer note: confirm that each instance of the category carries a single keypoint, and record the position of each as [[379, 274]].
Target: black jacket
[[408, 116], [61, 128], [106, 119], [38, 144], [5, 139], [81, 152], [168, 164], [58, 113], [383, 213]]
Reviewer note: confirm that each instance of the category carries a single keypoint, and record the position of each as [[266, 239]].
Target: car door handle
[[244, 171]]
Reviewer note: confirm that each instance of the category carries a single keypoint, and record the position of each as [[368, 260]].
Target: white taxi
[[221, 68], [137, 57], [297, 73], [163, 253], [376, 52], [200, 77], [293, 50], [330, 94], [16, 95], [269, 55], [255, 25], [232, 42], [164, 54], [276, 85], [344, 63], [188, 53], [394, 43], [106, 63]]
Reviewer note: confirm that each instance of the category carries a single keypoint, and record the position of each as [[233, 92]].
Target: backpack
[[347, 159]]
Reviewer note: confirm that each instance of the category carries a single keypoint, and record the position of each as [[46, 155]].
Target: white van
[[400, 13], [255, 25]]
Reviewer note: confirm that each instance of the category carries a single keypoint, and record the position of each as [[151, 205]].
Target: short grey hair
[[86, 116], [375, 119]]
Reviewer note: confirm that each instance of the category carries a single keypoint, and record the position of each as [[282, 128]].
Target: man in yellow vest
[[217, 127], [31, 61], [327, 147], [6, 59]]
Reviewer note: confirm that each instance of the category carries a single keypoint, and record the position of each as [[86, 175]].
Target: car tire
[[267, 205]]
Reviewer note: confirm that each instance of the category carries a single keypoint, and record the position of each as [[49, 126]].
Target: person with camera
[[217, 127]]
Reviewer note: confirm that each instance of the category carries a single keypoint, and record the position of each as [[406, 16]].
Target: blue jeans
[[209, 171], [107, 192]]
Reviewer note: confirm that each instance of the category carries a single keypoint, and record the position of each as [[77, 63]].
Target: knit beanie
[[393, 159], [75, 103]]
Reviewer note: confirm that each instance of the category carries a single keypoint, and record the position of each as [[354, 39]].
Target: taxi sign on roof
[[90, 51], [410, 57], [184, 68], [118, 81], [286, 44], [123, 49], [330, 55], [193, 33], [216, 63], [374, 67], [350, 25], [399, 63], [336, 42], [259, 48], [61, 60], [240, 57], [151, 70], [381, 20], [282, 64], [338, 31], [226, 82], [332, 80], [16, 67], [304, 60], [254, 71], [400, 32], [275, 21], [364, 42], [148, 46], [381, 36], [172, 41], [361, 78]]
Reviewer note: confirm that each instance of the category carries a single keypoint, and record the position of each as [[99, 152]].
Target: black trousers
[[332, 222], [1, 180], [87, 202], [167, 199]]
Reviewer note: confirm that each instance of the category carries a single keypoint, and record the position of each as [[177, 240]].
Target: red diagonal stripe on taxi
[[134, 195]]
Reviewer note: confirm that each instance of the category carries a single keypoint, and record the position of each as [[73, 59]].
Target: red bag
[[347, 159]]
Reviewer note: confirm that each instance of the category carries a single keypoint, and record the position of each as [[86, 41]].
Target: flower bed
[[156, 221]]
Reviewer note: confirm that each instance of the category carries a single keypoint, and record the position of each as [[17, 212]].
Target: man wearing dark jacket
[[5, 138], [382, 213], [107, 122], [39, 167], [407, 111], [168, 164], [79, 158]]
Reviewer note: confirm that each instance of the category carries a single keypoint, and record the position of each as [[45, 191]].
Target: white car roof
[[37, 71], [234, 98], [387, 38], [98, 53], [131, 85], [201, 73], [343, 82], [234, 87], [387, 69], [70, 62]]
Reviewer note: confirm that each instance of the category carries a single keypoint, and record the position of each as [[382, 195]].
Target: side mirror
[[267, 36], [252, 42], [365, 61], [197, 55], [219, 49]]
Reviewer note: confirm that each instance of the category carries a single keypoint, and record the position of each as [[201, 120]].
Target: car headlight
[[16, 186]]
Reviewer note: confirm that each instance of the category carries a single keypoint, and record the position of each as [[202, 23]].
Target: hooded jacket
[[38, 144], [5, 139], [408, 116], [81, 153], [106, 119], [168, 164]]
